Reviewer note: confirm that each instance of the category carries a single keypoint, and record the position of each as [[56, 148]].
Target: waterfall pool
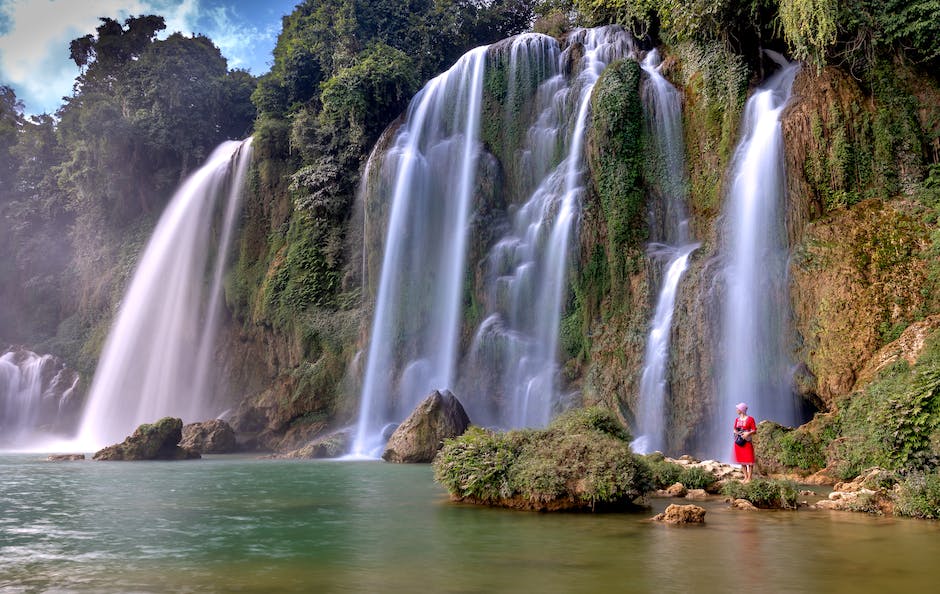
[[233, 523]]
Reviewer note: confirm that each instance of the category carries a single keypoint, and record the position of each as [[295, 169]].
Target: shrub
[[764, 493], [663, 472], [581, 461], [782, 449], [693, 477], [919, 496]]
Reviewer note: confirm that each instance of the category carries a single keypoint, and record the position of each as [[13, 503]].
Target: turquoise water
[[233, 524]]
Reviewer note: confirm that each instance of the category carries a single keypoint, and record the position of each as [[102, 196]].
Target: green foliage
[[783, 449], [663, 472], [304, 271], [615, 158], [717, 82], [694, 477], [764, 493], [810, 27], [581, 460], [894, 423], [919, 496]]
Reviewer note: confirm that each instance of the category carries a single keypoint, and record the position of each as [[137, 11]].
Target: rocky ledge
[[157, 441]]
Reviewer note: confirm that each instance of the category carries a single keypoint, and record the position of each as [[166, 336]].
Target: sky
[[35, 36]]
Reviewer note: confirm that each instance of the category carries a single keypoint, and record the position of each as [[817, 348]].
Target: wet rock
[[65, 457], [418, 439], [677, 490], [697, 494], [209, 437], [157, 441], [333, 445], [743, 504], [681, 514]]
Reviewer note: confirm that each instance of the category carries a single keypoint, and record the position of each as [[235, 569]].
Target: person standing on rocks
[[744, 429]]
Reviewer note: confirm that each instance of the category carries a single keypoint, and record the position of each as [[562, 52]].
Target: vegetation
[[583, 460], [784, 449], [666, 473], [919, 496], [764, 493]]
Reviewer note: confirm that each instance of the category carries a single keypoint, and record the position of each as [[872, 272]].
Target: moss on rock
[[582, 461]]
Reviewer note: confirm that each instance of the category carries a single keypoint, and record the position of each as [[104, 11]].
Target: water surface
[[238, 524]]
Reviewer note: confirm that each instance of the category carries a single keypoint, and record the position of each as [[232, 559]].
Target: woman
[[744, 427]]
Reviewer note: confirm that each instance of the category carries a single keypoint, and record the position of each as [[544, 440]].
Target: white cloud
[[238, 41], [34, 48]]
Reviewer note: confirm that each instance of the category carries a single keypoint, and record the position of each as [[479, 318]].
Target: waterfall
[[35, 398], [156, 360], [670, 225], [514, 355], [755, 367], [416, 324]]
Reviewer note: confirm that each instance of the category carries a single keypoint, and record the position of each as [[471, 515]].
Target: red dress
[[744, 454]]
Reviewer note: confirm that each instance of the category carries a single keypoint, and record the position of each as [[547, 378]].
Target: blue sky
[[35, 36]]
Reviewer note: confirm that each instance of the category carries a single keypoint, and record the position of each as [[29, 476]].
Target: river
[[236, 523]]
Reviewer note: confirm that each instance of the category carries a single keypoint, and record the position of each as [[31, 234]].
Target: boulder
[[697, 494], [743, 504], [209, 437], [418, 439], [159, 441], [681, 514], [677, 490]]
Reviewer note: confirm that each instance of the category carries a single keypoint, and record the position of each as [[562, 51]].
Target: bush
[[663, 472], [764, 493], [581, 461], [919, 496], [693, 477], [782, 449]]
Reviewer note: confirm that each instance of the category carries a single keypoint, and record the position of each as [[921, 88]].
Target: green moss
[[582, 460], [616, 162]]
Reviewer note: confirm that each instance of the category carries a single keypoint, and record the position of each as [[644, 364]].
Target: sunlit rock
[[681, 514]]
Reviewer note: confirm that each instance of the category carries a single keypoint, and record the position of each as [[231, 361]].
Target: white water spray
[[664, 112], [416, 325], [756, 367], [514, 356], [156, 361]]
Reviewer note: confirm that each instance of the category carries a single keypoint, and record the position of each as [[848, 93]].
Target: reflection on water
[[229, 523]]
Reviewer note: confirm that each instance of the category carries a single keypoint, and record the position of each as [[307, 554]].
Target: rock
[[158, 441], [697, 494], [209, 437], [438, 417], [681, 514], [333, 445], [743, 504], [677, 490], [65, 457]]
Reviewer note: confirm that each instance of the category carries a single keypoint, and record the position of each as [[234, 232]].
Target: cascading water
[[670, 223], [756, 367], [36, 398], [415, 329], [514, 354], [157, 357]]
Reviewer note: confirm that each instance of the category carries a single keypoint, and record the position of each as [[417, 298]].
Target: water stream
[[671, 250], [416, 324], [514, 355], [36, 398], [156, 361], [755, 362]]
